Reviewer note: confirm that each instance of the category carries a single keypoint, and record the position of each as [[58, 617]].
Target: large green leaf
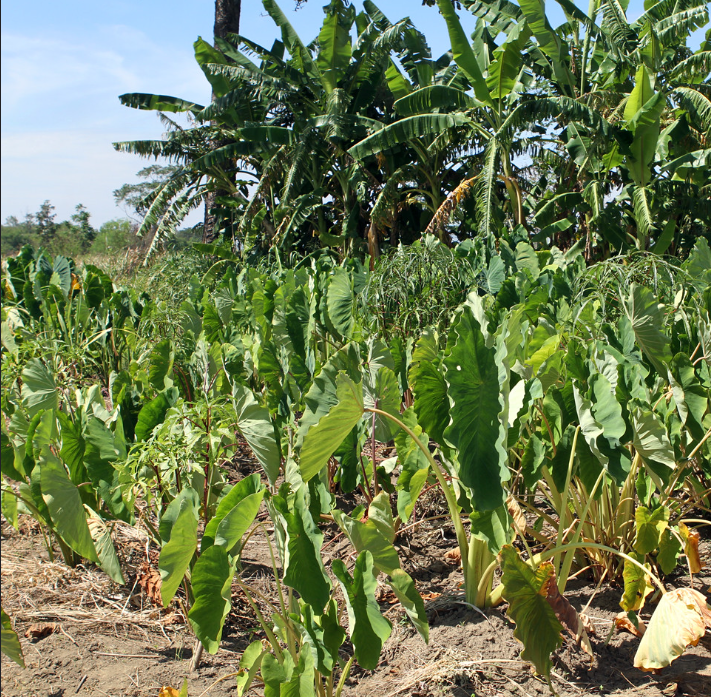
[[99, 455], [339, 300], [303, 566], [645, 314], [429, 387], [211, 581], [549, 41], [399, 132], [651, 439], [381, 391], [406, 592], [427, 99], [367, 628], [160, 363], [334, 53], [322, 440], [475, 379], [158, 102], [537, 626], [237, 521], [65, 506], [507, 62], [152, 413], [38, 388], [243, 489], [290, 38], [462, 52], [10, 644], [255, 424], [108, 559], [177, 553]]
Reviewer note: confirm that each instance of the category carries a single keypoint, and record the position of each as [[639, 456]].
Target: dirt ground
[[85, 635]]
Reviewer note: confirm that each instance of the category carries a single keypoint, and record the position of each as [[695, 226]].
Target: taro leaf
[[10, 641], [73, 448], [108, 559], [382, 393], [275, 674], [649, 525], [322, 440], [651, 440], [242, 489], [177, 553], [637, 585], [533, 457], [691, 548], [322, 397], [475, 378], [643, 311], [170, 514], [249, 664], [669, 548], [8, 506], [237, 521], [65, 506], [99, 454], [567, 615], [303, 566], [415, 466], [367, 628], [339, 301], [493, 527], [160, 363], [681, 619], [313, 633], [152, 413], [211, 581], [537, 626], [606, 409], [429, 388], [38, 388], [255, 424], [404, 588], [62, 274], [8, 459], [366, 536]]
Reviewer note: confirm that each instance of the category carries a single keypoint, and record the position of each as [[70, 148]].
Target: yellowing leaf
[[691, 548], [637, 586], [680, 620]]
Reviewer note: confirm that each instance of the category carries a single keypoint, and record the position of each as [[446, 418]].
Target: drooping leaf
[[474, 379], [152, 413], [367, 628], [177, 553], [537, 626], [680, 620], [211, 581], [322, 439], [637, 585], [64, 504], [649, 525], [237, 521], [303, 566]]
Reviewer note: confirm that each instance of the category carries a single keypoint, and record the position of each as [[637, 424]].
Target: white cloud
[[66, 167], [60, 114]]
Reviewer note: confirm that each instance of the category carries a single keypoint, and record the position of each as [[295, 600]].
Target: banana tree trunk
[[227, 14]]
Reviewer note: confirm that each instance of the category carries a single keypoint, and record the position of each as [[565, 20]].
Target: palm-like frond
[[486, 188]]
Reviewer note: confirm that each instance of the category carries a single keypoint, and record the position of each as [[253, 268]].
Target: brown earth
[[88, 636]]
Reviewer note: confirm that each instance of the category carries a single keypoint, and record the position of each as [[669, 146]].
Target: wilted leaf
[[567, 615], [649, 525], [149, 580], [691, 548], [680, 620], [537, 626], [41, 630], [637, 586], [622, 621], [172, 692]]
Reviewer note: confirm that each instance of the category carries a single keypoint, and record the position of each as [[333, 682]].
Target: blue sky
[[64, 65]]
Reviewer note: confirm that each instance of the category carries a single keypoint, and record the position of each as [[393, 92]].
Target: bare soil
[[88, 636]]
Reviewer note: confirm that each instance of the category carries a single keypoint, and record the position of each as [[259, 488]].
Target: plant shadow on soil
[[111, 640]]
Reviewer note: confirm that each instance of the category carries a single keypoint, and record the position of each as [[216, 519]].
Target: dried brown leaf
[[38, 631], [691, 548], [624, 622], [567, 615], [150, 581], [453, 557]]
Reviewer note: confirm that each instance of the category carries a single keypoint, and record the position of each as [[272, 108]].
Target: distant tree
[[81, 219], [134, 199], [45, 222]]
